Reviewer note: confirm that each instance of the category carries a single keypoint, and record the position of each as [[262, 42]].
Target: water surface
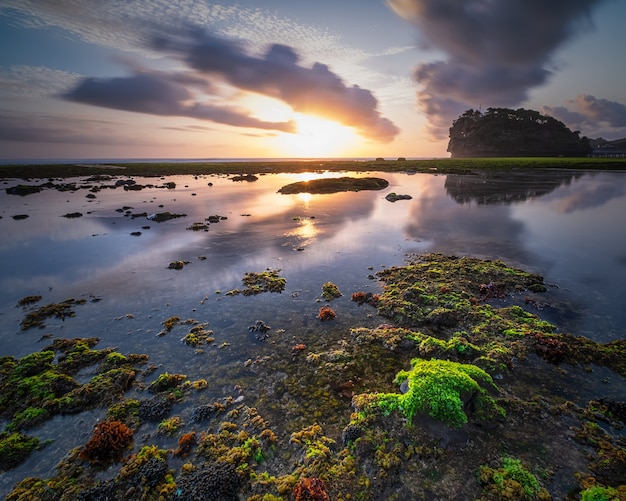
[[567, 226]]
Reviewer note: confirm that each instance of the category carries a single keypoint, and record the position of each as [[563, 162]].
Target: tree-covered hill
[[502, 132]]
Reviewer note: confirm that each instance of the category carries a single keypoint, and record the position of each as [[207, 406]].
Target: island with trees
[[503, 132]]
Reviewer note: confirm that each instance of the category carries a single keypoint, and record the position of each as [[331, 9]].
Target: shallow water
[[567, 226]]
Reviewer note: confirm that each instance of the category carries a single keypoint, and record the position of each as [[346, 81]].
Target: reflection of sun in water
[[316, 137], [306, 229], [305, 198]]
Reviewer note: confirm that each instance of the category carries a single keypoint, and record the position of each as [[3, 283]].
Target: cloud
[[131, 27], [496, 51], [34, 81], [314, 90], [163, 94], [592, 114]]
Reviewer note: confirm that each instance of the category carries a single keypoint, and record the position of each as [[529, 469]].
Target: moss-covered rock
[[334, 185], [444, 390]]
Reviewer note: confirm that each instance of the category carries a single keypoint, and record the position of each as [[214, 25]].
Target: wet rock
[[248, 177], [217, 481], [335, 185], [394, 197], [164, 216], [350, 433], [155, 409], [261, 329], [23, 190], [177, 265]]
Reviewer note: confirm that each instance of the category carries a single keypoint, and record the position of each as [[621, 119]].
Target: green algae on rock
[[330, 291], [441, 290], [441, 389], [14, 448], [60, 310], [258, 282], [33, 388], [334, 185], [511, 480]]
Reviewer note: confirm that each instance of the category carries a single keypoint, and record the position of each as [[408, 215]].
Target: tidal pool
[[567, 226]]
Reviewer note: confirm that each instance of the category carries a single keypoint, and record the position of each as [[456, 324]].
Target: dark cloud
[[496, 50], [165, 95], [278, 74], [589, 113]]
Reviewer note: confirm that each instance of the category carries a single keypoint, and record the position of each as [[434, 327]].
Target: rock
[[394, 197], [23, 190]]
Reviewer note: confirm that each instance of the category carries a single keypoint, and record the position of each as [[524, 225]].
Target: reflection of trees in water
[[505, 187]]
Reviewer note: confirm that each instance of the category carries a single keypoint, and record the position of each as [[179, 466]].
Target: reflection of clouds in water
[[595, 191], [278, 224]]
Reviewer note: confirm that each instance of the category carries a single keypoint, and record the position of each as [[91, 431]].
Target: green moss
[[170, 426], [258, 282], [198, 336], [126, 411], [15, 448], [441, 389], [330, 291], [28, 418], [59, 310], [28, 300], [166, 382], [171, 322], [598, 493], [512, 480]]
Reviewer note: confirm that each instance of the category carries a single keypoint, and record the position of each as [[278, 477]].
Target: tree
[[502, 132]]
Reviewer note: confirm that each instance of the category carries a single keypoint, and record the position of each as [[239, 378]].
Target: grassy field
[[441, 165]]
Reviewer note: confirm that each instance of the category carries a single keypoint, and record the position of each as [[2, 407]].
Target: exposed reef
[[334, 185], [441, 401]]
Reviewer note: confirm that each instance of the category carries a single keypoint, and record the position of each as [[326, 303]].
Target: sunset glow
[[317, 137], [275, 79]]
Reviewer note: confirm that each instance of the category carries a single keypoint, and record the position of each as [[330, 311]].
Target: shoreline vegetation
[[435, 165]]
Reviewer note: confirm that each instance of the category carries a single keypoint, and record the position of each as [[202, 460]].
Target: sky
[[90, 79]]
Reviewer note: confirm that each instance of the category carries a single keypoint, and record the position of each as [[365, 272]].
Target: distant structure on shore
[[609, 149], [502, 132]]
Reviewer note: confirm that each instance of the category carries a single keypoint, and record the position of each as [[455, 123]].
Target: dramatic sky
[[296, 78]]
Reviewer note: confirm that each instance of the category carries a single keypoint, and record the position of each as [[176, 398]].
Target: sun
[[316, 137]]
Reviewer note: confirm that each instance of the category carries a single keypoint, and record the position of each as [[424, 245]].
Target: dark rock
[[164, 216], [23, 190], [394, 197], [217, 481], [350, 433], [248, 177], [155, 409]]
